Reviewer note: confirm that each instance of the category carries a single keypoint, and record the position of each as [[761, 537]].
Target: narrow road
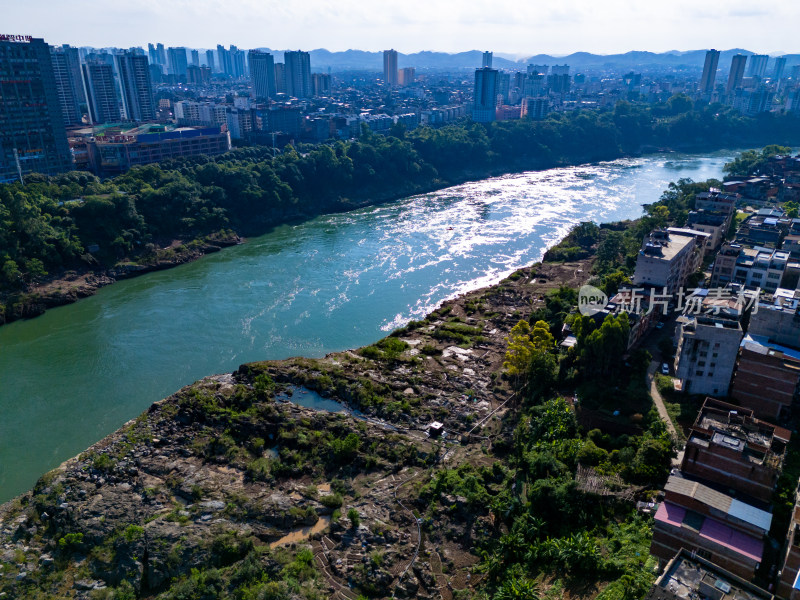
[[662, 409], [657, 399]]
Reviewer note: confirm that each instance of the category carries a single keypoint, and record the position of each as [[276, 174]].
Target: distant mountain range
[[361, 60]]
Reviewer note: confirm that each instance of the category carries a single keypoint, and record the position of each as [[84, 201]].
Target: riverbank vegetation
[[77, 223]]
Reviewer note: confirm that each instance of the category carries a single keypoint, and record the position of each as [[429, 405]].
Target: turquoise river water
[[340, 281]]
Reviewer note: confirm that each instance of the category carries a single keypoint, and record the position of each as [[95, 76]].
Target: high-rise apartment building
[[161, 53], [280, 78], [224, 61], [406, 76], [320, 84], [196, 58], [757, 65], [136, 88], [176, 58], [210, 60], [780, 66], [709, 72], [262, 73], [736, 73], [152, 54], [32, 135], [298, 73], [69, 85], [485, 96], [238, 67], [390, 67], [98, 81], [487, 60]]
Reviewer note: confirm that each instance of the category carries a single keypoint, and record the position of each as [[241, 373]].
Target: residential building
[[195, 58], [767, 378], [117, 152], [69, 84], [779, 320], [729, 447], [262, 74], [717, 526], [789, 574], [210, 61], [750, 102], [778, 69], [706, 355], [135, 87], [320, 84], [688, 575], [763, 268], [32, 134], [390, 67], [724, 267], [715, 224], [487, 60], [535, 108], [736, 73], [664, 260], [407, 76], [280, 78], [709, 72], [298, 74], [101, 92], [715, 200], [177, 62], [485, 96], [757, 65]]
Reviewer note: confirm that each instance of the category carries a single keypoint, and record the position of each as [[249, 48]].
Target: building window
[[698, 373], [702, 363], [710, 374]]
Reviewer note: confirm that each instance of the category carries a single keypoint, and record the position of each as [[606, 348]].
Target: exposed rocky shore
[[215, 477]]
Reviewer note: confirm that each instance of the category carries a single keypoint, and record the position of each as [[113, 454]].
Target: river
[[77, 373]]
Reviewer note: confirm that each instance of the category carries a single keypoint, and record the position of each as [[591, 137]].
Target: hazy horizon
[[504, 26]]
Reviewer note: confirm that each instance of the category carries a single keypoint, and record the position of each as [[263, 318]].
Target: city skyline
[[505, 26]]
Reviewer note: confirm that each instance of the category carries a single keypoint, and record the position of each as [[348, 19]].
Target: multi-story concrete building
[[135, 87], [724, 267], [709, 72], [665, 260], [390, 67], [729, 447], [69, 83], [706, 355], [101, 92], [688, 576], [407, 76], [262, 74], [789, 574], [32, 134], [767, 378], [763, 268], [779, 320], [114, 154], [177, 61], [725, 530], [736, 73], [757, 65], [715, 224], [485, 95], [297, 72]]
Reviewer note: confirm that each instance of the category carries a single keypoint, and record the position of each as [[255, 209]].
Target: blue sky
[[521, 27]]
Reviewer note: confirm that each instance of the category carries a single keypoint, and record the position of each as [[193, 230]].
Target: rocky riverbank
[[197, 493], [72, 286]]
